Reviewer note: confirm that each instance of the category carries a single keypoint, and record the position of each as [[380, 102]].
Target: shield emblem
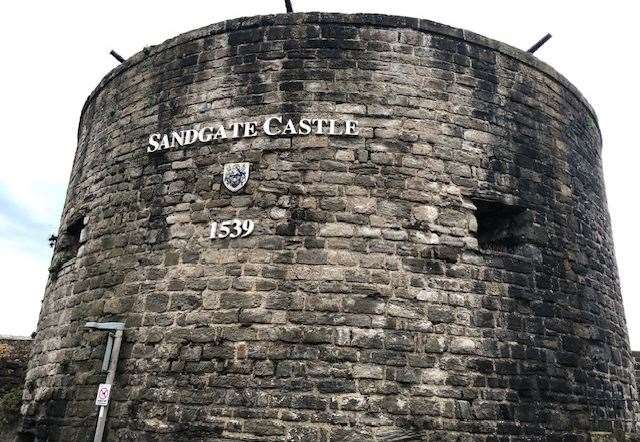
[[235, 175]]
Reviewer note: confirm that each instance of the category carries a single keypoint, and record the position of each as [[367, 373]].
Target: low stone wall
[[14, 357]]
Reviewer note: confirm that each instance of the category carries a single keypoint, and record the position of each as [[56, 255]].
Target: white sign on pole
[[104, 391]]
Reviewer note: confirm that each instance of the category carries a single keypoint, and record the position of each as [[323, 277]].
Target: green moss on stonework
[[10, 408], [58, 261]]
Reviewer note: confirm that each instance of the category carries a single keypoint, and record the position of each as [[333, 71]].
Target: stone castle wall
[[636, 362], [449, 271]]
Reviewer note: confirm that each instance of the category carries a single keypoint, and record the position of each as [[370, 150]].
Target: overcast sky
[[55, 53]]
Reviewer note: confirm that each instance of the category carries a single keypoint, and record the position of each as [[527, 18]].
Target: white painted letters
[[272, 127]]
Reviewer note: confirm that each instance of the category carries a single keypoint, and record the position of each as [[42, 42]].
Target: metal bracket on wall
[[109, 364]]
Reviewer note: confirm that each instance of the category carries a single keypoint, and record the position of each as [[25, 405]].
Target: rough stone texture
[[636, 362], [14, 356], [371, 303]]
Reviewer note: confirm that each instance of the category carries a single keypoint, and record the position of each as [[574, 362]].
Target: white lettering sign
[[273, 126]]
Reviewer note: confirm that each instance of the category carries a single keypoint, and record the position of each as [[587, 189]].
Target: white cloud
[[22, 285]]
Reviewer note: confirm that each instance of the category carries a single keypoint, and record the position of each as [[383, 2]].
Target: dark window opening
[[501, 227], [67, 245], [72, 236]]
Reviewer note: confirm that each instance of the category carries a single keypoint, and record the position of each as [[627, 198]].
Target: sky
[[55, 53]]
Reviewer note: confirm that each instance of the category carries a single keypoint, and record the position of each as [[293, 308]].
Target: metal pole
[[107, 352], [540, 42], [117, 56], [102, 415]]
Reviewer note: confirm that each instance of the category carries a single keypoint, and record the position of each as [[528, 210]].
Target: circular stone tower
[[444, 271]]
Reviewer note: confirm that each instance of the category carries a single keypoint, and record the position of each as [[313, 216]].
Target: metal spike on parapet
[[117, 56], [539, 44]]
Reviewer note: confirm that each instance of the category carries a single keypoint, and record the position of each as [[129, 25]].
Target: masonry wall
[[14, 356], [376, 299], [636, 362]]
